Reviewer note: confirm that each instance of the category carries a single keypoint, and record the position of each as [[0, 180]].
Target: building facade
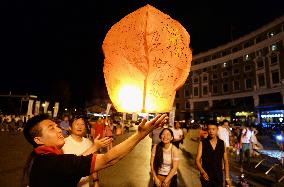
[[241, 80]]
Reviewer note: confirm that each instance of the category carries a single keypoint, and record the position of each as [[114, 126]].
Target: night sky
[[51, 47]]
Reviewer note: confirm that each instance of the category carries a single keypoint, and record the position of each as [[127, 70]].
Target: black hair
[[212, 122], [224, 121], [32, 130], [158, 159]]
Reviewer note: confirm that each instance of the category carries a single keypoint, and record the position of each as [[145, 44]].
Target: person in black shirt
[[211, 154], [47, 166]]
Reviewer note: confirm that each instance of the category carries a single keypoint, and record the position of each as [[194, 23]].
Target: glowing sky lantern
[[147, 58]]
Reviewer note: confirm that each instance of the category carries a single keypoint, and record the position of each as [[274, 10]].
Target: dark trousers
[[176, 143], [213, 182]]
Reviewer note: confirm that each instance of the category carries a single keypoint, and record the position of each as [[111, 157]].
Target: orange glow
[[147, 58]]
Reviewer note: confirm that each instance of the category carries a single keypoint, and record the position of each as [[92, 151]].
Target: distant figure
[[224, 133], [155, 136], [65, 126], [178, 134], [246, 144]]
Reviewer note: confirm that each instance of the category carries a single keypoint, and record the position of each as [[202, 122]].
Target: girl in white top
[[164, 160]]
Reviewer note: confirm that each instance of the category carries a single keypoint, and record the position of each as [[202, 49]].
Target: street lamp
[[75, 110], [65, 109]]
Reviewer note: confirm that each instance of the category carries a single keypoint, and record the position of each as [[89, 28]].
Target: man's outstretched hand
[[145, 127], [104, 142]]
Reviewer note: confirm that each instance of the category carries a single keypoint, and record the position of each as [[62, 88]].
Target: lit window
[[225, 64], [274, 47], [246, 57]]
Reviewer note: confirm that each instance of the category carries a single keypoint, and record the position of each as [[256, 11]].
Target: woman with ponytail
[[164, 160]]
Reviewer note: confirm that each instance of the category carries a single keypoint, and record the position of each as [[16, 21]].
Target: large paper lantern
[[147, 58]]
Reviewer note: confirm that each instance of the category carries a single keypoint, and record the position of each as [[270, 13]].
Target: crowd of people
[[12, 123], [90, 141]]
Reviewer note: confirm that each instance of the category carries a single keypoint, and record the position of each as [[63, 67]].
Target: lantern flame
[[129, 97]]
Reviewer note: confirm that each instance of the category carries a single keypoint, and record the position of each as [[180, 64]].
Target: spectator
[[224, 133], [164, 160], [77, 144], [211, 154], [246, 144], [178, 134], [65, 126]]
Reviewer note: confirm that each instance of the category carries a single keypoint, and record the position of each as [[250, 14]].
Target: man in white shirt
[[77, 144], [224, 133], [246, 140]]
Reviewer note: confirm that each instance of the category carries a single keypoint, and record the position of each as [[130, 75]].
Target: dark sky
[[50, 46]]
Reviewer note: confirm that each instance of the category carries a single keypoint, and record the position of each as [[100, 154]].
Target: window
[[215, 67], [273, 59], [195, 92], [215, 76], [225, 87], [247, 68], [195, 80], [205, 78], [205, 90], [235, 61], [236, 71], [260, 64], [187, 105], [177, 94], [248, 83], [177, 105], [215, 89], [225, 74], [236, 85], [186, 90], [246, 57], [274, 47], [271, 34], [275, 77], [261, 80], [205, 69]]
